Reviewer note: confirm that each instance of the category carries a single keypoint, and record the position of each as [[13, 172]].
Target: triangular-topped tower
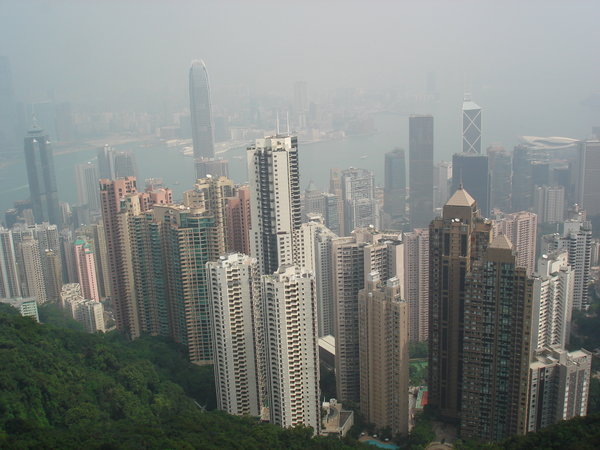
[[456, 240]]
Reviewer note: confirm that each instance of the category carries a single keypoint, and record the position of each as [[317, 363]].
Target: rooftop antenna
[[277, 123]]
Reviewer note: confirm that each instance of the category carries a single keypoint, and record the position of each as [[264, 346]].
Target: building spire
[[35, 125]]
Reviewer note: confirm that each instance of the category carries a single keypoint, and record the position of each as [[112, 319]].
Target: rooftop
[[461, 198], [501, 241]]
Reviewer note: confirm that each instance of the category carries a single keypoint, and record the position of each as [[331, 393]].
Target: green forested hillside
[[581, 433], [62, 388]]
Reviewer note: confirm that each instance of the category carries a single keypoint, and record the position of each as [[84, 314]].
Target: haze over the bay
[[530, 65]]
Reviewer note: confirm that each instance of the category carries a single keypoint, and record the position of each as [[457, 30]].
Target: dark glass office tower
[[201, 114], [41, 176], [522, 179], [420, 130], [500, 167], [471, 170], [394, 194]]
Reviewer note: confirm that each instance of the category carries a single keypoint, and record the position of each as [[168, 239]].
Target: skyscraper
[[313, 250], [313, 202], [442, 178], [217, 167], [559, 383], [496, 345], [111, 194], [88, 191], [416, 283], [500, 168], [332, 213], [291, 348], [45, 113], [125, 165], [237, 212], [274, 200], [353, 258], [106, 162], [394, 199], [120, 200], [201, 113], [86, 270], [383, 337], [236, 311], [576, 238], [170, 246], [471, 126], [301, 103], [420, 129], [521, 230], [52, 266], [34, 275], [41, 176], [94, 235], [358, 195], [553, 285], [456, 240], [589, 177], [9, 276], [549, 203], [47, 238], [471, 170]]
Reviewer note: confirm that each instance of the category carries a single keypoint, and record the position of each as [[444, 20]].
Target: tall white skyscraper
[[236, 311], [416, 283], [549, 203], [559, 383], [9, 274], [292, 361], [521, 230], [314, 254], [552, 300], [274, 200], [576, 238], [471, 126], [33, 270], [201, 114]]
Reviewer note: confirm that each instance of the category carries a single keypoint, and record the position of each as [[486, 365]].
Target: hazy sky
[[529, 65]]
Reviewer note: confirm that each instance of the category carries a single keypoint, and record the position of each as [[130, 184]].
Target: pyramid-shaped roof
[[501, 241], [461, 198]]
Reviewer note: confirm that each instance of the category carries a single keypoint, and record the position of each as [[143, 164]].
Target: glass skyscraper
[[41, 176], [201, 114]]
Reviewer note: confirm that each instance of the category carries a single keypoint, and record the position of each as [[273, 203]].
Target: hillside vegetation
[[62, 388]]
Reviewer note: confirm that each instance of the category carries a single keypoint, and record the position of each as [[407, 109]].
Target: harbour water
[[177, 170]]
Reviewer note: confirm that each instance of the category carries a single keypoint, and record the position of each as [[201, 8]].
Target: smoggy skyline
[[530, 66]]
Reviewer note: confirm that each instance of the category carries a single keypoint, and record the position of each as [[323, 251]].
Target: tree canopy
[[63, 388]]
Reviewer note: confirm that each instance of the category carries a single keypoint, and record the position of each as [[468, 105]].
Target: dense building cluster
[[251, 278]]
